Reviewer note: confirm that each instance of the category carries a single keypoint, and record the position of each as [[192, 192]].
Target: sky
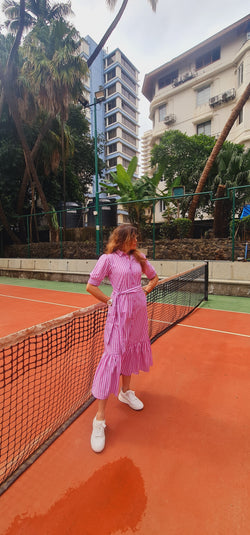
[[151, 39]]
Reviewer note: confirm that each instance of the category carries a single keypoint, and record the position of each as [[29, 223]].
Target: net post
[[206, 282]]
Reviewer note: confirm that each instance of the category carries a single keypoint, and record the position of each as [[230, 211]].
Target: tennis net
[[46, 371]]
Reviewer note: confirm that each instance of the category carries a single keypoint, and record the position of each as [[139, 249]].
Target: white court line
[[38, 301], [213, 330]]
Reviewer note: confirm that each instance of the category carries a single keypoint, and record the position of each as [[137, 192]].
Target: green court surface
[[74, 287], [229, 303], [215, 302]]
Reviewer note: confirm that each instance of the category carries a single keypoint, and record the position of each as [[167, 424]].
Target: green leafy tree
[[132, 191], [182, 159]]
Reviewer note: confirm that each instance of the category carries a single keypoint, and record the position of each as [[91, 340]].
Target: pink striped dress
[[127, 346]]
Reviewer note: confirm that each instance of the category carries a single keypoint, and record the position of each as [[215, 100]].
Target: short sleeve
[[149, 270], [100, 271]]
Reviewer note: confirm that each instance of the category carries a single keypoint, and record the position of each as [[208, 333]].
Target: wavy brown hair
[[121, 236]]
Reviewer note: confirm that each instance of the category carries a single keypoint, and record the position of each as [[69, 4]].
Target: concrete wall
[[225, 278]]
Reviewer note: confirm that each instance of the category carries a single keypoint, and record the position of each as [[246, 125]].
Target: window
[[111, 74], [162, 206], [112, 148], [208, 58], [168, 79], [129, 95], [129, 124], [241, 116], [204, 128], [128, 65], [128, 151], [240, 74], [129, 138], [128, 80], [162, 113], [112, 118], [112, 133], [125, 163], [111, 104], [111, 59], [203, 96], [112, 162], [128, 109], [111, 89]]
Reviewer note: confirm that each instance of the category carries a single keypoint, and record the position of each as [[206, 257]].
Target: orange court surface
[[179, 467]]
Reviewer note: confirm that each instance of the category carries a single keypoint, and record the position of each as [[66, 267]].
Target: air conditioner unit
[[228, 95], [214, 101], [169, 119]]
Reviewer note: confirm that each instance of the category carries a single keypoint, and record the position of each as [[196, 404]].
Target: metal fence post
[[233, 225], [28, 236], [60, 232], [153, 229]]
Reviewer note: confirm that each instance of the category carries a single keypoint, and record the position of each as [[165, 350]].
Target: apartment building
[[117, 116], [121, 110], [196, 91]]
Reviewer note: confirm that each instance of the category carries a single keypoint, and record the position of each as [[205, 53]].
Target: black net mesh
[[46, 372]]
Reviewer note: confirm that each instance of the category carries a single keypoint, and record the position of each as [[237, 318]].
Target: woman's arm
[[96, 292], [150, 286]]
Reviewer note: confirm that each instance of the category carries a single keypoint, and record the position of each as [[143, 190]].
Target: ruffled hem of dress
[[137, 358], [107, 376]]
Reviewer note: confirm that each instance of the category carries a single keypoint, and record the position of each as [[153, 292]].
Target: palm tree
[[111, 4], [59, 97], [217, 147], [36, 11], [233, 171], [56, 72]]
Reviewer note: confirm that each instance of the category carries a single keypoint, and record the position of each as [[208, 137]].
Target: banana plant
[[135, 194]]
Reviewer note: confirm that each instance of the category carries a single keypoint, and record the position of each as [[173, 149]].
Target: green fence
[[97, 231]]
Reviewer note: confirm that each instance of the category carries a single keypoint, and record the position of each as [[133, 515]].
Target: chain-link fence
[[157, 220]]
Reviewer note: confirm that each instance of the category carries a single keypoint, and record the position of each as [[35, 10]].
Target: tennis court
[[181, 466]]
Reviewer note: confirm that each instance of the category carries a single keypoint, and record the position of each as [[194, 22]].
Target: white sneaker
[[130, 398], [98, 435]]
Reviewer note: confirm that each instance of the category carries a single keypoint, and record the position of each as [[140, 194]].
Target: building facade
[[118, 116], [196, 92]]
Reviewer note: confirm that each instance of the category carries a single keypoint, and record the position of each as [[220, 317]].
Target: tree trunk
[[34, 153], [27, 154], [64, 179], [6, 225], [217, 147], [219, 222], [107, 34]]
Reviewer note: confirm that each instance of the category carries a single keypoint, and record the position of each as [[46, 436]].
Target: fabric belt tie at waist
[[117, 312]]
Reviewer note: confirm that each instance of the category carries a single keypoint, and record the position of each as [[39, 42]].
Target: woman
[[127, 346]]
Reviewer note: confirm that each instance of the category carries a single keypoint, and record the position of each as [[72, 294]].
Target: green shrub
[[168, 230], [184, 226], [176, 228]]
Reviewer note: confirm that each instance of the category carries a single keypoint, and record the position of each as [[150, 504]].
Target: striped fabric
[[127, 346]]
